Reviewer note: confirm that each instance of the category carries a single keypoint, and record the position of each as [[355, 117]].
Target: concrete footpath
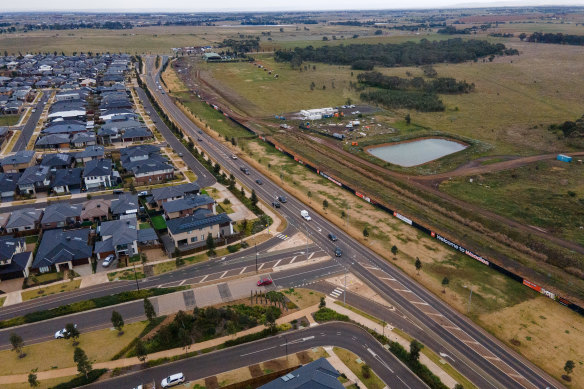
[[126, 362]]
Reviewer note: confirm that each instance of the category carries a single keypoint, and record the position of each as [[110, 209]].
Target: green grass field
[[9, 120], [549, 195], [159, 222]]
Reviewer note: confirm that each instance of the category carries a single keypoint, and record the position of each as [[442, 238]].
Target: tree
[[140, 350], [144, 258], [309, 194], [522, 36], [343, 214], [32, 379], [418, 265], [133, 188], [71, 332], [231, 327], [210, 244], [365, 232], [17, 344], [408, 119], [149, 310], [179, 261], [325, 204], [322, 303], [270, 318], [82, 362], [254, 198], [394, 250], [366, 371], [185, 338], [445, 282], [415, 348], [568, 368], [118, 321], [458, 386]]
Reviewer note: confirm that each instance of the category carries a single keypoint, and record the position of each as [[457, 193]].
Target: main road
[[31, 123], [347, 336], [484, 359]]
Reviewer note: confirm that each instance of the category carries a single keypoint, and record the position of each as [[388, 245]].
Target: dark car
[[282, 199], [338, 252], [276, 204], [264, 282], [118, 191], [200, 132], [259, 182], [333, 237]]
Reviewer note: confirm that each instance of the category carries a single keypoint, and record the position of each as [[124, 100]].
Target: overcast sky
[[256, 5]]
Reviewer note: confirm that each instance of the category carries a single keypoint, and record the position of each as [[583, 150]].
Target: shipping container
[[564, 158]]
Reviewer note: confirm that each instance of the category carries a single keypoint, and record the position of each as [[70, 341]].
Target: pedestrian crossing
[[282, 236], [336, 293]]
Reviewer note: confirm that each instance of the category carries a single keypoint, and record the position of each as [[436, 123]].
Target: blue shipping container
[[564, 158]]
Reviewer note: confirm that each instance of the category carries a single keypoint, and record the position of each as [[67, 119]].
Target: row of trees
[[420, 101], [570, 129], [404, 54], [559, 38], [437, 85]]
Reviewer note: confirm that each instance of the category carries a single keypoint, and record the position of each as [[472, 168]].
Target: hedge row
[[81, 380]]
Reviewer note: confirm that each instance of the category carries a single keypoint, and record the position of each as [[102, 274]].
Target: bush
[[233, 248], [81, 380], [327, 314], [250, 337]]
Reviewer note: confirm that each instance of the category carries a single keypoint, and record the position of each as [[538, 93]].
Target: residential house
[[3, 134], [24, 219], [57, 161], [119, 237], [187, 206], [192, 231], [62, 249], [98, 174], [8, 185], [147, 164], [90, 153], [61, 215], [83, 139], [53, 141], [34, 179], [95, 210], [67, 180], [14, 260], [126, 205], [319, 374], [147, 237], [18, 162], [175, 192]]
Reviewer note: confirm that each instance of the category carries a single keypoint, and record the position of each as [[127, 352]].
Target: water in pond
[[416, 153]]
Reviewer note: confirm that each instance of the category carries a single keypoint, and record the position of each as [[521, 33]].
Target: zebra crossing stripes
[[336, 293], [282, 236]]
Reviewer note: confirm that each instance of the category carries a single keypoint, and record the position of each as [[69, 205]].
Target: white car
[[173, 380], [62, 333], [234, 157], [305, 215], [143, 193], [108, 260]]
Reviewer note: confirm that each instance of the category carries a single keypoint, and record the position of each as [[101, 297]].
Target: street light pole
[[286, 347], [136, 277], [470, 299], [345, 292], [256, 249]]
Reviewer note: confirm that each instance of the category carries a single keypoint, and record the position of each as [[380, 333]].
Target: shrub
[[327, 314]]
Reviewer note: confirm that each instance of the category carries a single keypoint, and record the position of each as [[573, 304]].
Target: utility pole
[[345, 292], [286, 347], [256, 249], [470, 299], [136, 277]]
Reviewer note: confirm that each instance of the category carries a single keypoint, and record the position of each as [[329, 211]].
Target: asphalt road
[[30, 125], [347, 336], [43, 203], [503, 368], [134, 311]]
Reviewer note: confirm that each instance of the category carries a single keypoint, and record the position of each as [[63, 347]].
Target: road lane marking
[[293, 259], [277, 263], [242, 270], [310, 256], [262, 265], [258, 351], [223, 275], [204, 278], [182, 282]]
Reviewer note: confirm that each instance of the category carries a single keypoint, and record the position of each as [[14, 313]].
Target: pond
[[408, 154]]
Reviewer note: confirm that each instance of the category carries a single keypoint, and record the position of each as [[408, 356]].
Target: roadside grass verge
[[125, 275], [350, 360], [51, 289], [99, 345], [82, 306]]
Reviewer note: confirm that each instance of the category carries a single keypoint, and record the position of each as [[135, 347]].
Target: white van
[[173, 380], [305, 215]]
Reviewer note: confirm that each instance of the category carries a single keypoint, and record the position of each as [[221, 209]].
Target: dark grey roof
[[24, 217], [59, 246], [60, 212], [91, 151], [138, 151], [147, 235], [70, 177], [194, 222], [53, 140], [8, 246], [9, 181], [319, 374], [83, 137], [65, 127], [137, 132], [34, 174], [125, 202], [18, 263], [150, 166], [121, 231], [98, 168], [168, 192], [57, 160], [187, 202], [20, 157]]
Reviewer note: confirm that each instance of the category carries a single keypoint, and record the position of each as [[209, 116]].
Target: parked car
[[259, 182], [108, 260], [143, 193], [173, 380], [305, 215], [264, 282], [61, 334], [338, 252], [282, 199], [275, 204], [118, 191], [332, 237], [180, 154]]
